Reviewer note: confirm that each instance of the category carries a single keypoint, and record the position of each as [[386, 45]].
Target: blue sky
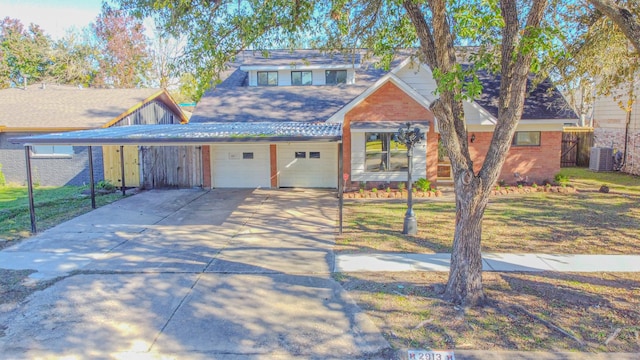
[[53, 16]]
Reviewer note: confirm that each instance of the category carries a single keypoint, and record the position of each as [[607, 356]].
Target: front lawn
[[537, 311], [53, 206], [586, 222]]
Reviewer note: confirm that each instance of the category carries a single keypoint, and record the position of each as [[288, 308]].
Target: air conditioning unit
[[601, 159]]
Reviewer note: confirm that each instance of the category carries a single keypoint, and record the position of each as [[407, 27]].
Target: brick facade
[[614, 138], [390, 103], [538, 163], [206, 166]]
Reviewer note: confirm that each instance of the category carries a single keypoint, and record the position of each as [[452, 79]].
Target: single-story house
[[44, 109], [306, 119], [616, 129]]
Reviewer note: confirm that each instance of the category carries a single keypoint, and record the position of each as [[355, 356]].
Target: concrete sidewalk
[[490, 262]]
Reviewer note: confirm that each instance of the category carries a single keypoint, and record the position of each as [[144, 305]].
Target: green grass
[[53, 205], [586, 222], [616, 181]]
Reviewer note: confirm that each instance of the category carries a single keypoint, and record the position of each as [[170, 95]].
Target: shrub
[[534, 185], [401, 186], [388, 189], [561, 179], [423, 184], [105, 185], [375, 190]]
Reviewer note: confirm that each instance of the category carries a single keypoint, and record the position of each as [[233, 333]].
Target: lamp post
[[410, 138]]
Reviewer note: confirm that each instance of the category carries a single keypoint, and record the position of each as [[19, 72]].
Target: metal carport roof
[[184, 134], [200, 133]]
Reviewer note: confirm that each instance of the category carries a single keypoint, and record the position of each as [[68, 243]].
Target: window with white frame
[[526, 138], [52, 150], [267, 78], [334, 77], [384, 153], [301, 78]]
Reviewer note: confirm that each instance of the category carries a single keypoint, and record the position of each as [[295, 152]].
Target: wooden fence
[[576, 146]]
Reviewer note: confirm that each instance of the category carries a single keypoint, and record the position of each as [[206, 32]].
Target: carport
[[189, 134]]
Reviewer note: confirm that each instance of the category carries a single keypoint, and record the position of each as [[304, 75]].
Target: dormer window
[[301, 78], [334, 77], [267, 78]]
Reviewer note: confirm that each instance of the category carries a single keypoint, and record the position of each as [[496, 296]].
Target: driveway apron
[[226, 273]]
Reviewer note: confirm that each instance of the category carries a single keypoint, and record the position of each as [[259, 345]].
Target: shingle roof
[[543, 102], [296, 57], [232, 100], [65, 106]]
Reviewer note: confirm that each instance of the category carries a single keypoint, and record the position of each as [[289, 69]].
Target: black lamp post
[[410, 138]]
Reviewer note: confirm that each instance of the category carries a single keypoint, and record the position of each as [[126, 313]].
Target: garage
[[306, 164], [240, 166]]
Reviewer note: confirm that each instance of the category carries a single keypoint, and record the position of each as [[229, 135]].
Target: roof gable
[[65, 107]]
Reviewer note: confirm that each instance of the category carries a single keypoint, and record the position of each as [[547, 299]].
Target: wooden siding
[[154, 112], [161, 166], [113, 170], [172, 166]]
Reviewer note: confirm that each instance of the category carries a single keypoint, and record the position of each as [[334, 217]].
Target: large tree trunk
[[465, 275], [472, 190]]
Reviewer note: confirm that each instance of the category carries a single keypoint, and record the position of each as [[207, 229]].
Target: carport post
[[122, 169], [32, 208], [340, 185], [92, 185]]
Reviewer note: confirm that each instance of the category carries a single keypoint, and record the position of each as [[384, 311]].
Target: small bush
[[105, 185], [388, 190], [401, 186], [423, 184], [534, 185], [561, 179], [374, 190]]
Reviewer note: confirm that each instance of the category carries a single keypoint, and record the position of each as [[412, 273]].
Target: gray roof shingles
[[65, 106], [234, 101]]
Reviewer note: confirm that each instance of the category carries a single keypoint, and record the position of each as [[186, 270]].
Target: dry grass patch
[[578, 223], [543, 311]]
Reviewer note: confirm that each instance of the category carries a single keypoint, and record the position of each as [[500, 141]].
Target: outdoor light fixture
[[410, 138], [473, 137]]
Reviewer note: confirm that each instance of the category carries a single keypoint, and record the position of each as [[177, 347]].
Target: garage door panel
[[308, 165], [240, 166]]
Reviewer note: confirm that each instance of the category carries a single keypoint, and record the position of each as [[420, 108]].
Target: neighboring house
[[370, 104], [40, 109], [613, 128]]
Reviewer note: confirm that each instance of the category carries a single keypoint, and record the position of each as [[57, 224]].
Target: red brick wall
[[539, 163], [389, 103], [273, 157], [206, 166]]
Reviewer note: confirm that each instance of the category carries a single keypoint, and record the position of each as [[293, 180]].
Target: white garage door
[[308, 165], [240, 166]]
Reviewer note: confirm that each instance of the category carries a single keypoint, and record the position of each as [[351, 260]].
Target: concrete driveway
[[189, 274]]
